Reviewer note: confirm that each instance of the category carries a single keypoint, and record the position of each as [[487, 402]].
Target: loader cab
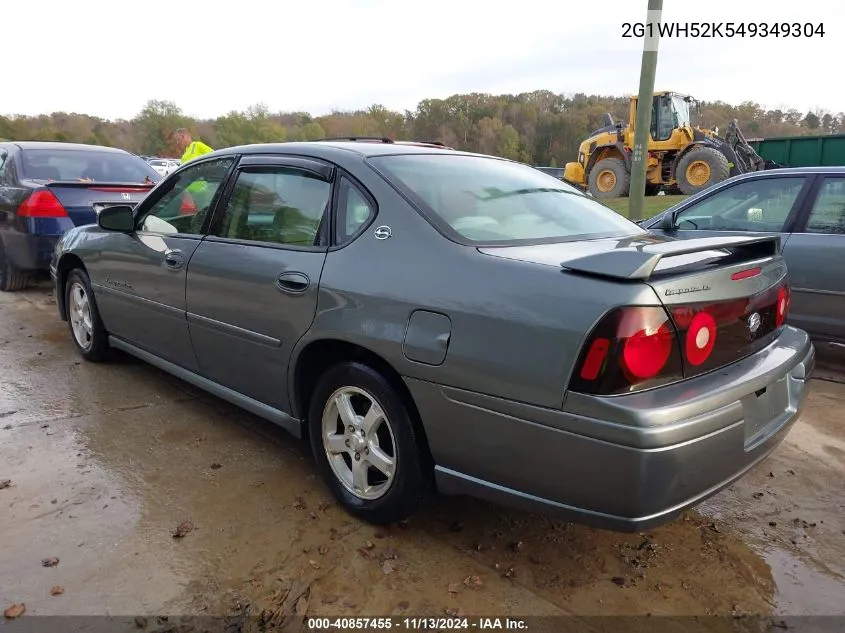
[[669, 112]]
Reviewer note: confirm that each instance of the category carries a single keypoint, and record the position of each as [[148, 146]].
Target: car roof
[[25, 145], [792, 171], [325, 148]]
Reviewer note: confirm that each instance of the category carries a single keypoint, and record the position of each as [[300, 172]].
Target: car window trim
[[322, 169], [159, 192], [812, 198], [256, 162], [335, 210], [791, 217]]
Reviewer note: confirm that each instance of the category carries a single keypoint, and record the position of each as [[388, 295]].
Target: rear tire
[[700, 168], [354, 446], [86, 328], [609, 178], [11, 279]]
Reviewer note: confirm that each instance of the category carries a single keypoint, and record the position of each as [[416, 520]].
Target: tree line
[[540, 127]]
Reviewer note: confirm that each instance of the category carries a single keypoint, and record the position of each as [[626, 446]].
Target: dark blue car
[[48, 188]]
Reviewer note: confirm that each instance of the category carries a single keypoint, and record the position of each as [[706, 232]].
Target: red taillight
[[644, 353], [631, 347], [634, 348], [42, 203], [595, 358], [782, 305], [700, 339], [187, 206], [747, 274]]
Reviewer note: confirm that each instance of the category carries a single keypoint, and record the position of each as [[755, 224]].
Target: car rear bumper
[[627, 462], [29, 252]]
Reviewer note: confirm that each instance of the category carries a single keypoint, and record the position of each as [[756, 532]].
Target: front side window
[[86, 165], [184, 205], [759, 205], [487, 200], [276, 205], [828, 212]]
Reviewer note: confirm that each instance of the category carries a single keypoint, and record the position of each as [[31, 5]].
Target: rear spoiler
[[88, 184], [640, 262]]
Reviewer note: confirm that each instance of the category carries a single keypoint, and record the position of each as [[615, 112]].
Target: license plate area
[[765, 411]]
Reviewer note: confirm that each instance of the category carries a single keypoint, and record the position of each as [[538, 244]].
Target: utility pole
[[639, 159]]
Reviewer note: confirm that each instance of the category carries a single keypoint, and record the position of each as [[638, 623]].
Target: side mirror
[[117, 218], [667, 222]]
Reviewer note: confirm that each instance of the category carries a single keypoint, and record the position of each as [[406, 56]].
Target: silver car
[[806, 207], [432, 319]]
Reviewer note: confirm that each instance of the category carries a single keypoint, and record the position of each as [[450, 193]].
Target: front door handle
[[174, 259], [293, 282]]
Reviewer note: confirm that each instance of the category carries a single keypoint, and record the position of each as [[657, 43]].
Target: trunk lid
[[727, 296], [84, 200]]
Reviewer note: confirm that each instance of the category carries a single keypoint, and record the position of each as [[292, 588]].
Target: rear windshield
[[487, 200], [77, 164]]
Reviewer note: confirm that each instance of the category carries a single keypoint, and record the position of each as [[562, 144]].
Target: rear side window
[[85, 165], [487, 200], [828, 212], [353, 211]]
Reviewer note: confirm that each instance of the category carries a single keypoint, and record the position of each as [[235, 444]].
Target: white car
[[164, 166]]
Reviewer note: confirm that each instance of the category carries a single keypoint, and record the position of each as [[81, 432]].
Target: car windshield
[[93, 165], [488, 200]]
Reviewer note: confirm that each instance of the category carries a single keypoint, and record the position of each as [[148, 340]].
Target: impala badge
[[125, 196], [382, 232], [754, 323]]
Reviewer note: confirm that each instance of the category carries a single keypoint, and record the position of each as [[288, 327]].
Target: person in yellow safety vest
[[192, 149]]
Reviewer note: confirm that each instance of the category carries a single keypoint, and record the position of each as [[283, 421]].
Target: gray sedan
[[435, 320], [806, 207]]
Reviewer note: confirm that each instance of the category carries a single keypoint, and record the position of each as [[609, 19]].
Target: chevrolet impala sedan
[[429, 319]]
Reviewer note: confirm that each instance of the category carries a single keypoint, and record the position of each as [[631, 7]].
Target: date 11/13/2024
[[723, 29], [416, 623]]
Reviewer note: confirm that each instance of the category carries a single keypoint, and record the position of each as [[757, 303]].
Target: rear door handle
[[293, 283], [174, 259]]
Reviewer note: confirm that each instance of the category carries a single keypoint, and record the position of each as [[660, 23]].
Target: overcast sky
[[108, 57]]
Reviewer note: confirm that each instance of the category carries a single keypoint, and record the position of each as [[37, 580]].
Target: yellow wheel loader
[[681, 158]]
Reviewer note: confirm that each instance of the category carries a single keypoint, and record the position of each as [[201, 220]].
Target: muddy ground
[[105, 461]]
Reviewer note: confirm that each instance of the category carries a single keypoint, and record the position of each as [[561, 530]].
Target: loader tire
[[609, 179], [700, 168]]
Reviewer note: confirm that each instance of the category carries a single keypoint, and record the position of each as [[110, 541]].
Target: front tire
[[700, 168], [86, 327], [365, 444], [609, 178]]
